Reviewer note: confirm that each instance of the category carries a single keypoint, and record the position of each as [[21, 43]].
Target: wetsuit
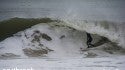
[[89, 40]]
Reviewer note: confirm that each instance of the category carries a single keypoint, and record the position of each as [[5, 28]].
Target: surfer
[[89, 40]]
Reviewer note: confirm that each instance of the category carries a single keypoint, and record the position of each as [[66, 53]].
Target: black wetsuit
[[89, 40]]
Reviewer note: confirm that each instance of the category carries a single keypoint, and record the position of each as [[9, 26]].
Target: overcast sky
[[104, 9]]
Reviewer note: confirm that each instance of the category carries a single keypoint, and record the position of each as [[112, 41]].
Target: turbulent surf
[[65, 37]]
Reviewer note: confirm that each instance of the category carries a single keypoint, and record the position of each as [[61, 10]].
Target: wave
[[113, 31], [56, 38]]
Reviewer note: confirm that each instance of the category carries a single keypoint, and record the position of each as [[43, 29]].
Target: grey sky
[[88, 9]]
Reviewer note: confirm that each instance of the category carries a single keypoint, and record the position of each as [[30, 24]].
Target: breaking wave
[[114, 31]]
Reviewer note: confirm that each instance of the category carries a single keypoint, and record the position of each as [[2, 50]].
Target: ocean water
[[100, 18]]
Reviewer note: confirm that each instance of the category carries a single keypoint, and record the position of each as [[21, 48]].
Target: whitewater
[[61, 47], [61, 44]]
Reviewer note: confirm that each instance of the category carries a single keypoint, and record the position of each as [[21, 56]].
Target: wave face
[[14, 25]]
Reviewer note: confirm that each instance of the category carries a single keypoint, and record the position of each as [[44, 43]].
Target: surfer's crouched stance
[[89, 40]]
